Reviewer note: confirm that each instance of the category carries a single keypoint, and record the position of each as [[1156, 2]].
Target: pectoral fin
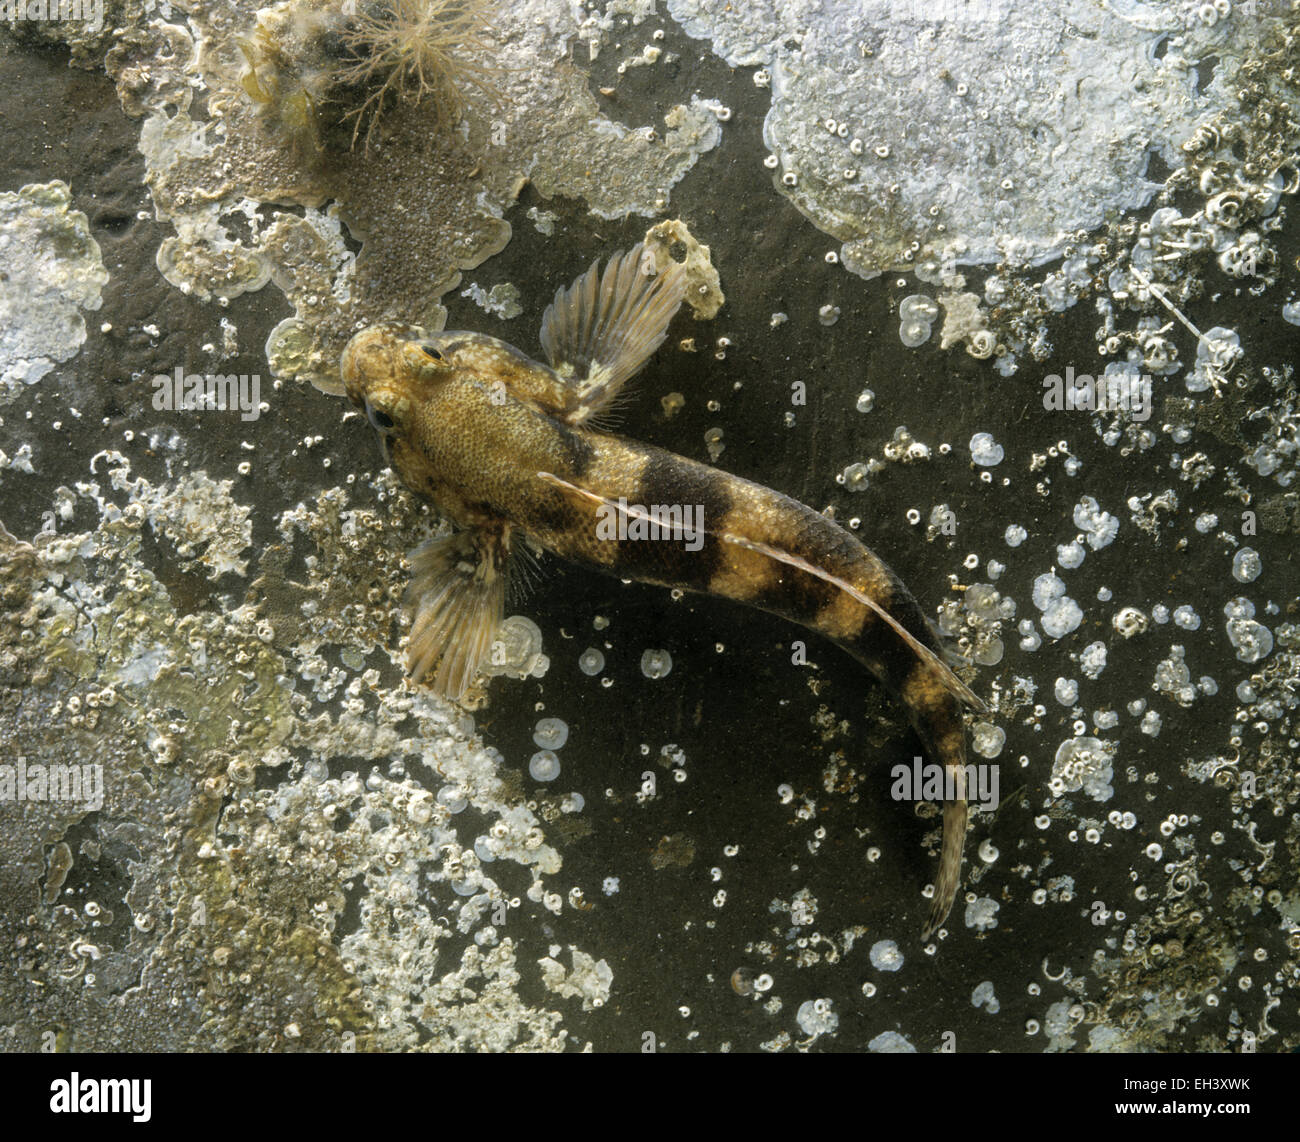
[[603, 328], [456, 600]]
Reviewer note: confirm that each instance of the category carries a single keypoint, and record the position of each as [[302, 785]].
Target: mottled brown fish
[[504, 446]]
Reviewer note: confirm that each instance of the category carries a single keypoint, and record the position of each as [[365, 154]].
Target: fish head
[[388, 370]]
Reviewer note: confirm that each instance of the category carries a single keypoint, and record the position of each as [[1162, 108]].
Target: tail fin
[[949, 878], [941, 729]]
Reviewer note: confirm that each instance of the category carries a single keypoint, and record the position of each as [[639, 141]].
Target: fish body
[[504, 446]]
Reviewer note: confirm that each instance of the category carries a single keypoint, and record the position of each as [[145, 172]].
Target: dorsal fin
[[599, 331], [951, 682]]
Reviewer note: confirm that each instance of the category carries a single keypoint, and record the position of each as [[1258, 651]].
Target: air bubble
[[1246, 565], [544, 765], [918, 307], [985, 451], [551, 733], [452, 799], [885, 956], [854, 477], [913, 333], [656, 663]]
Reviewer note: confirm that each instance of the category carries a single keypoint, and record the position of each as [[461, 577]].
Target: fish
[[515, 453]]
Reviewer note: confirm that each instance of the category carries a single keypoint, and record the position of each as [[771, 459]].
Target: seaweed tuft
[[315, 66], [410, 51]]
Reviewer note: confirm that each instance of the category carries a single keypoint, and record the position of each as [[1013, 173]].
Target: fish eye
[[378, 418], [430, 351]]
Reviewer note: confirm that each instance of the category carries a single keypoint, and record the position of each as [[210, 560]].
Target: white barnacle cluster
[[965, 320], [1252, 640], [588, 980], [1060, 613], [916, 314], [1083, 763], [1061, 289], [427, 948], [1155, 265], [1216, 350], [550, 734], [1173, 677], [816, 1017], [904, 448], [1099, 526], [517, 650], [976, 625]]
